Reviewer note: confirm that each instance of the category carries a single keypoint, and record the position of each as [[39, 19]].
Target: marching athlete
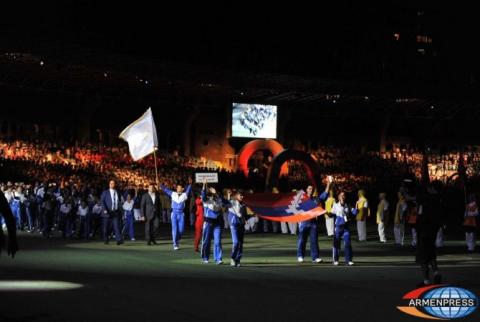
[[342, 214], [179, 197], [212, 226]]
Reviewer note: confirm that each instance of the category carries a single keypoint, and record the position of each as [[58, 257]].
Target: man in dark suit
[[151, 209], [112, 211]]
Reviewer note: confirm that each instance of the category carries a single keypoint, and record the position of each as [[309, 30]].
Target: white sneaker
[[300, 259], [351, 263], [176, 248], [238, 264], [220, 262], [318, 260], [132, 239], [335, 263], [232, 262], [205, 261]]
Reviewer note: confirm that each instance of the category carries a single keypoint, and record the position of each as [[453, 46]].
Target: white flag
[[141, 136]]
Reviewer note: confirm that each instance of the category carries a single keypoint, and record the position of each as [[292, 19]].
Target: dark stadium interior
[[377, 95]]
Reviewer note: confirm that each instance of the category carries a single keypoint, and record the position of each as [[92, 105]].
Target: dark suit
[[151, 212], [111, 216]]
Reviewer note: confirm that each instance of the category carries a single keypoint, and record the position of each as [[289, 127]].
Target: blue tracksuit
[[15, 206], [237, 214], [129, 220], [177, 216], [342, 218], [308, 229], [212, 227]]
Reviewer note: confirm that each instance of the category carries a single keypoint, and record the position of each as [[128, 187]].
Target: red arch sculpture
[[256, 145], [308, 163]]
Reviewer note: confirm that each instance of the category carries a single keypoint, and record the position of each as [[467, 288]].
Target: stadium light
[[37, 286]]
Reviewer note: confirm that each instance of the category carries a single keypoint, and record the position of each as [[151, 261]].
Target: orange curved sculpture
[[256, 145]]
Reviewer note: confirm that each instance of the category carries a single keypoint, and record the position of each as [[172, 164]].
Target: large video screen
[[254, 121]]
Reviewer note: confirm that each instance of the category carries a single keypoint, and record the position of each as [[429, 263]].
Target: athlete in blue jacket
[[308, 229], [212, 225], [343, 215], [237, 215], [179, 197]]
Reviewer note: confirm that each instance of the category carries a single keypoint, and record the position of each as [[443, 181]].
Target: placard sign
[[209, 177]]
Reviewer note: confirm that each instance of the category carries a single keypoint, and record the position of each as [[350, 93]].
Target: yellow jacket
[[363, 210], [400, 212], [382, 211], [329, 204]]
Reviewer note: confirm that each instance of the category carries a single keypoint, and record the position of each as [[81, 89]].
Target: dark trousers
[[238, 233], [67, 221], [129, 226], [47, 222], [30, 217], [95, 225], [151, 227], [108, 222], [84, 227]]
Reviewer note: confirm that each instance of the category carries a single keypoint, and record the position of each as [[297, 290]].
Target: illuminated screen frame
[[234, 124]]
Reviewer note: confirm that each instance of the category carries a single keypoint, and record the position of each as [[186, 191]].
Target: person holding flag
[[292, 207], [308, 228], [142, 140]]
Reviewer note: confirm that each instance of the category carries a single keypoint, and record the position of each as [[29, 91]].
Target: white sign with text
[[209, 177]]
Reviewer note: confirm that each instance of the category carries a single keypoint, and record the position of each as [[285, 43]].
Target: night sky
[[341, 41], [340, 44]]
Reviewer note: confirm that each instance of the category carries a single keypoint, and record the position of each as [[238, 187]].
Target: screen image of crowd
[[55, 190], [254, 119]]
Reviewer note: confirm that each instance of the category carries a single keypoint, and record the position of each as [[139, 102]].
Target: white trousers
[[330, 225], [251, 224], [414, 237], [284, 227], [293, 228], [381, 232], [399, 233], [471, 239], [439, 240], [362, 230]]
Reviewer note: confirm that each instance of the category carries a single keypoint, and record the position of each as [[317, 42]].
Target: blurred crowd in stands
[[41, 177]]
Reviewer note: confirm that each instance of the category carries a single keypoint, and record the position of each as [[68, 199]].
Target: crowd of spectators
[[78, 174]]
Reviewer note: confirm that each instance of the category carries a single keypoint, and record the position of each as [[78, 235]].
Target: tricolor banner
[[284, 207]]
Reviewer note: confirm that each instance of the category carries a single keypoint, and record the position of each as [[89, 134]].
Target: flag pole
[[155, 159]]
